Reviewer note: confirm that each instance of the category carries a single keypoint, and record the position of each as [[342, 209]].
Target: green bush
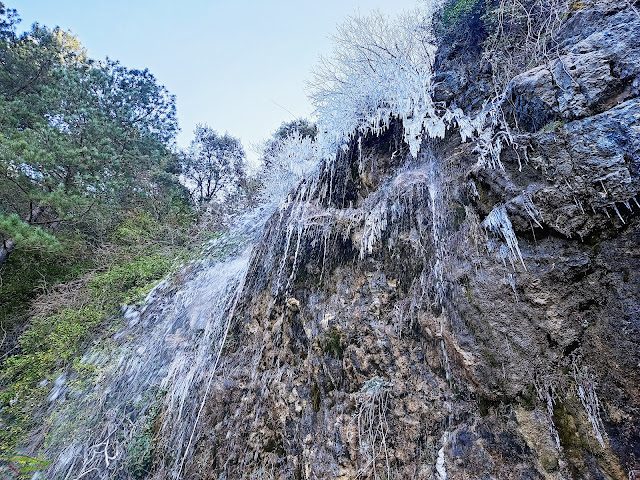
[[140, 449], [28, 274], [139, 454], [333, 343], [129, 282], [27, 236], [453, 12]]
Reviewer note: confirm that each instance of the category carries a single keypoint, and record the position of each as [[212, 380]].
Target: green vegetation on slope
[[92, 212], [69, 318]]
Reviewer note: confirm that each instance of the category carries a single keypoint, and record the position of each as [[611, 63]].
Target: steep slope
[[436, 318]]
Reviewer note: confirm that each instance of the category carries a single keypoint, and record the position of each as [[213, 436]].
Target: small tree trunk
[[7, 247]]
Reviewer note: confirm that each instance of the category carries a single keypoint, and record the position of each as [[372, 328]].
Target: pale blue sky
[[228, 62]]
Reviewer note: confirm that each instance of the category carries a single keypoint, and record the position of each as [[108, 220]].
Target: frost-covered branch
[[288, 160], [380, 68]]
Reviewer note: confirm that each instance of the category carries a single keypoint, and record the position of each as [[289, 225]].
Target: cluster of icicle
[[498, 223], [409, 195], [154, 373], [381, 69]]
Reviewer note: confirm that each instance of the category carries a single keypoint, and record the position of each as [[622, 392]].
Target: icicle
[[554, 431], [441, 466], [604, 188], [636, 200], [615, 207], [498, 222], [445, 358], [530, 208], [295, 255], [283, 259], [360, 164], [512, 282], [474, 189], [545, 393], [375, 224], [568, 185], [589, 399]]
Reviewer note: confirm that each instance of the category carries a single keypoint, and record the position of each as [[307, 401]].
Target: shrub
[[454, 12], [522, 35]]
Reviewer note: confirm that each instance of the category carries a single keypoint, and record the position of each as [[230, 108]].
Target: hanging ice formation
[[382, 69], [167, 352], [498, 223], [290, 160]]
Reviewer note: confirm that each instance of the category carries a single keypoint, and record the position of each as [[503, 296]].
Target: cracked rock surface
[[383, 333]]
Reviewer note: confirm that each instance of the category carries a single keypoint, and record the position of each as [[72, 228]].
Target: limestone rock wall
[[385, 333]]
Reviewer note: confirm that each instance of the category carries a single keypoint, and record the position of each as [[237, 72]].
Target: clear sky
[[238, 65]]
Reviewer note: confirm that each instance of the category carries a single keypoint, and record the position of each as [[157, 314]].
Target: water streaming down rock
[[314, 238], [154, 371]]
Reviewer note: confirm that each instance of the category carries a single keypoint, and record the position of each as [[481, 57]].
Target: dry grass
[[523, 36], [71, 294]]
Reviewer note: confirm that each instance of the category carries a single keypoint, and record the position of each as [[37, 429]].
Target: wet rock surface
[[383, 332]]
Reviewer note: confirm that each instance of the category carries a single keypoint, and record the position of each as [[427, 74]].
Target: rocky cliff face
[[428, 318]]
